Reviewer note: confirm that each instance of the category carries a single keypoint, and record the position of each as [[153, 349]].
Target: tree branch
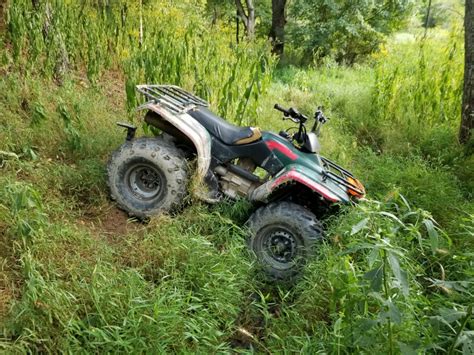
[[241, 11], [250, 9]]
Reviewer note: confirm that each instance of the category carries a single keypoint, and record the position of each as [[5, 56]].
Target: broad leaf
[[394, 313], [433, 234], [392, 216], [376, 277], [407, 349], [359, 226], [373, 256], [399, 274]]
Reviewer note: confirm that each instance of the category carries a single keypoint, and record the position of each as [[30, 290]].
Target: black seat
[[223, 130]]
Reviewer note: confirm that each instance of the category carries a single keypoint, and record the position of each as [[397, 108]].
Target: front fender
[[197, 134], [312, 179], [191, 129]]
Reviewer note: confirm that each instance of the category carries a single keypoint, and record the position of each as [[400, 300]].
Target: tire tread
[[157, 148]]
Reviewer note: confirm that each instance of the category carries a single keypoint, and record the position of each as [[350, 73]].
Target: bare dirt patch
[[112, 223], [6, 297], [9, 279], [3, 15]]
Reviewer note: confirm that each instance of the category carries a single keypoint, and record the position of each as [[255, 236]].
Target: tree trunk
[[248, 18], [467, 119], [277, 31]]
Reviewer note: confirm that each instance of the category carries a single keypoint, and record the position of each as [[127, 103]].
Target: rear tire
[[283, 237], [147, 176]]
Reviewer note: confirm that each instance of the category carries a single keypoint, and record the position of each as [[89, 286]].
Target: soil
[[3, 15], [113, 224], [8, 276]]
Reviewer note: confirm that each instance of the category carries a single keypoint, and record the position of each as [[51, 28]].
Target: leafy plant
[[346, 30], [72, 133], [57, 37], [25, 208]]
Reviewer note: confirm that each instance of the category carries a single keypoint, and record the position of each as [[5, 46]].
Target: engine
[[236, 185]]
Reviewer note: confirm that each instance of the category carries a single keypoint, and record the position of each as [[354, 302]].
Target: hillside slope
[[77, 276], [80, 276]]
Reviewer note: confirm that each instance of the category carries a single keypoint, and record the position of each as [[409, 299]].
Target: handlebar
[[319, 115], [281, 109], [292, 113], [295, 116]]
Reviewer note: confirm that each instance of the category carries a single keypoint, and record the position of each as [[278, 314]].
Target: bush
[[347, 31], [368, 288]]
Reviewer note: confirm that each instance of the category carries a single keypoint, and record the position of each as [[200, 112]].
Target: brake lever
[[295, 120]]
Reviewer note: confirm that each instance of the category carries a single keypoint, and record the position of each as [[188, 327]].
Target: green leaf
[[399, 274], [375, 276], [394, 313], [433, 234], [359, 226], [407, 349], [373, 256], [357, 247], [392, 216], [337, 328]]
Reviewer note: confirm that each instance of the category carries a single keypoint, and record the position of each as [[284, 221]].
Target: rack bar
[[339, 175], [171, 97]]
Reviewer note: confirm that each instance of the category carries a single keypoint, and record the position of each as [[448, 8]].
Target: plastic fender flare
[[192, 129], [305, 176]]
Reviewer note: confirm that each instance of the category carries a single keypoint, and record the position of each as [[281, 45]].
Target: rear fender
[[327, 189], [192, 129]]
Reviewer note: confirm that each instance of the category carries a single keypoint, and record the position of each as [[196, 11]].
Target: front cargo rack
[[340, 175], [171, 97]]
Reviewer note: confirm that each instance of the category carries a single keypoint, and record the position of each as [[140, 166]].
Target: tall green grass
[[419, 85], [177, 47], [385, 284], [395, 119], [387, 279]]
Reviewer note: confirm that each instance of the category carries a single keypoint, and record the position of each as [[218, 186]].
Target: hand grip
[[281, 109]]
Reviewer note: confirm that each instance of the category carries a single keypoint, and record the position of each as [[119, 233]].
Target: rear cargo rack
[[171, 97], [339, 175]]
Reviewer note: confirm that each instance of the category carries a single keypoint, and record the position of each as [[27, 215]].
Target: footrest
[[131, 129]]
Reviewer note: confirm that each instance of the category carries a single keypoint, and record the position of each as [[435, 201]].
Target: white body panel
[[192, 129]]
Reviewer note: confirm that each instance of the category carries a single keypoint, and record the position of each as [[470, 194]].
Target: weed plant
[[174, 47]]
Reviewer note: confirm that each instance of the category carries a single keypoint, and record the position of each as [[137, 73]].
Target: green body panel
[[338, 192], [308, 165], [309, 160]]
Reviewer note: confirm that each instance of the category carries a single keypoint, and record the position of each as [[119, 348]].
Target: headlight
[[357, 189]]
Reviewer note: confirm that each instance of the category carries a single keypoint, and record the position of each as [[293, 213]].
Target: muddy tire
[[147, 176], [283, 236]]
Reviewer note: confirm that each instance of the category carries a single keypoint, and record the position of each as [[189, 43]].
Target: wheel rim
[[279, 247], [144, 181]]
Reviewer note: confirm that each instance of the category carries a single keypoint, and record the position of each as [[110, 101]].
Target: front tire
[[283, 236], [147, 176]]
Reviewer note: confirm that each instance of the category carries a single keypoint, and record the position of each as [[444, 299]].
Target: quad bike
[[150, 175]]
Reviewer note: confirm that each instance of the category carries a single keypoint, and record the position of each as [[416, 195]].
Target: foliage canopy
[[346, 30]]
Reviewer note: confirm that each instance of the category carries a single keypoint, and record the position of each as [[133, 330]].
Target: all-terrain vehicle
[[150, 175]]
